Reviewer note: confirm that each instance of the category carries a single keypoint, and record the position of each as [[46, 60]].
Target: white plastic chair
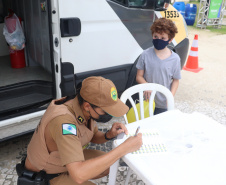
[[140, 88]]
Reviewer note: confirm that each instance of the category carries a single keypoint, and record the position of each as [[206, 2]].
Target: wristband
[[105, 136]]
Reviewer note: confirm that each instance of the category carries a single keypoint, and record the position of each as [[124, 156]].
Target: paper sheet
[[152, 142]]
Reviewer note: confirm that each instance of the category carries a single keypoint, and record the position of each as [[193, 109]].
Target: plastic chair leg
[[113, 173], [128, 176]]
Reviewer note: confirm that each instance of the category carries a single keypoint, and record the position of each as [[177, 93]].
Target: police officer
[[57, 145]]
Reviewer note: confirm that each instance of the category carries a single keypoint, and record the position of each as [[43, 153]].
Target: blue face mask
[[160, 44]]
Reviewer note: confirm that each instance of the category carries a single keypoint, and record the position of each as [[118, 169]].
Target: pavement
[[202, 92], [224, 20]]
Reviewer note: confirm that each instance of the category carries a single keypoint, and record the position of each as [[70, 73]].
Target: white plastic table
[[196, 151]]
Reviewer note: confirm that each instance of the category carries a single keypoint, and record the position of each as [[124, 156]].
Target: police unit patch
[[80, 118], [69, 129], [114, 94]]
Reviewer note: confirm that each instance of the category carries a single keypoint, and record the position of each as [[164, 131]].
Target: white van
[[69, 40]]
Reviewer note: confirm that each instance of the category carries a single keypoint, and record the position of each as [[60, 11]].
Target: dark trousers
[[159, 110]]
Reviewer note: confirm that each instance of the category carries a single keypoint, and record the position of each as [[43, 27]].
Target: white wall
[[4, 50]]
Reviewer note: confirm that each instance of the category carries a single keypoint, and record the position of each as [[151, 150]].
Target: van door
[[93, 39]]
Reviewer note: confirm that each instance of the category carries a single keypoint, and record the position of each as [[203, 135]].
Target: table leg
[[113, 173]]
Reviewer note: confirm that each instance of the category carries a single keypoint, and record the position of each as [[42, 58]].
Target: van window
[[136, 3], [131, 3], [122, 2]]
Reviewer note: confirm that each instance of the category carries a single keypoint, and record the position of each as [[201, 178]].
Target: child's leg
[[159, 110]]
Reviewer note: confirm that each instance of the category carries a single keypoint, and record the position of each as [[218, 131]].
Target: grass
[[221, 30]]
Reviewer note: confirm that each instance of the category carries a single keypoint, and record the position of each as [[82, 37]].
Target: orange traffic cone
[[192, 61]]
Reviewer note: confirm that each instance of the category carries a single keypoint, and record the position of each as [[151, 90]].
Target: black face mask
[[102, 118], [160, 44]]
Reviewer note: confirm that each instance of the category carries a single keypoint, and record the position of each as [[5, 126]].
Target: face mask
[[102, 118], [160, 44]]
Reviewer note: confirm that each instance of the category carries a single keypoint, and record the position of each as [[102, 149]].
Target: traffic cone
[[192, 61]]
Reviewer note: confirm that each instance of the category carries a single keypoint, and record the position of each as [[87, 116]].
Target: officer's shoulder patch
[[80, 119], [69, 129]]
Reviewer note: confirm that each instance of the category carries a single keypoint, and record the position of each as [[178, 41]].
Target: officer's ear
[[86, 106]]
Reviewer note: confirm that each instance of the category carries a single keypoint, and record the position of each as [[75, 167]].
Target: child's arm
[[140, 79], [140, 76], [174, 86]]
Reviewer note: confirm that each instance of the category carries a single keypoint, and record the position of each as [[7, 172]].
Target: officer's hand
[[133, 143], [116, 129]]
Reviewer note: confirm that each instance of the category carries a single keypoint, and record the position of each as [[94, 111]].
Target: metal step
[[24, 96]]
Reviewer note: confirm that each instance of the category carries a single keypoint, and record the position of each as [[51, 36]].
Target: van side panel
[[19, 125], [137, 21], [104, 40], [118, 74]]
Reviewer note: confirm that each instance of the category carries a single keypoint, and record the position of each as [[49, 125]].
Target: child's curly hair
[[163, 25]]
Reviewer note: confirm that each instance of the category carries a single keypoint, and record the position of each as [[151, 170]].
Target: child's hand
[[147, 95]]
